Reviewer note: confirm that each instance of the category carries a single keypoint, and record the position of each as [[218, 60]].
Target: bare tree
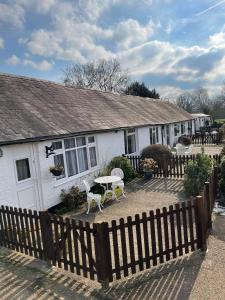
[[185, 101], [196, 101], [104, 75], [201, 100]]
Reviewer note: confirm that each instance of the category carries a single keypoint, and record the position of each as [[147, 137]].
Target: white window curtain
[[71, 161], [82, 159], [93, 157]]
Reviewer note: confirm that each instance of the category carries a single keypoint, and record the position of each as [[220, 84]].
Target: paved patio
[[141, 196]]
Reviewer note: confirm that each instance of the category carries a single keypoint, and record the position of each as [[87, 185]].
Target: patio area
[[141, 196]]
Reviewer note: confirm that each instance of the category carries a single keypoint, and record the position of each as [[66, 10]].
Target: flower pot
[[56, 172], [148, 174]]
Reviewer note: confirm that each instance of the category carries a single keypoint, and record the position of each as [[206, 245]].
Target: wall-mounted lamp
[[49, 150]]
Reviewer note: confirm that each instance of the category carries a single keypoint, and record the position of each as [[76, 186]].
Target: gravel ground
[[141, 196], [210, 150]]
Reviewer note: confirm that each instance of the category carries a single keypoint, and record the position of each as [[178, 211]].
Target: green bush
[[72, 198], [184, 140], [124, 164], [160, 153], [196, 174], [222, 153]]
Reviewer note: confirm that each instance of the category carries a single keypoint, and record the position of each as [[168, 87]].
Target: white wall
[[108, 146], [45, 187]]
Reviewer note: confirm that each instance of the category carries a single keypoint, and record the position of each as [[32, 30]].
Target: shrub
[[72, 198], [222, 176], [184, 140], [196, 174], [148, 164], [222, 153], [124, 164], [160, 153]]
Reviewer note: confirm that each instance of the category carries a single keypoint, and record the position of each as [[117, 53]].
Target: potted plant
[[56, 170], [148, 165]]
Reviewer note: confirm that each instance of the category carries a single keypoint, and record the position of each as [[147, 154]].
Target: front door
[[24, 172]]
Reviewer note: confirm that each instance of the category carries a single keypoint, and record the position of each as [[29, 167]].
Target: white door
[[24, 171]]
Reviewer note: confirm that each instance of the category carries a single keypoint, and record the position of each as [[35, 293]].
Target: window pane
[[69, 143], [157, 134], [81, 141], [93, 158], [59, 160], [82, 159], [23, 169], [91, 139], [131, 144], [71, 162], [57, 145]]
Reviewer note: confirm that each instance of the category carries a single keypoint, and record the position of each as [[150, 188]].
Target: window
[[176, 129], [130, 141], [154, 135], [23, 169], [59, 160], [76, 154], [57, 145], [183, 128]]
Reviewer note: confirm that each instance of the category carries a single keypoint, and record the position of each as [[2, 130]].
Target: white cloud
[[1, 43], [13, 60], [12, 14], [218, 39], [130, 32], [44, 65]]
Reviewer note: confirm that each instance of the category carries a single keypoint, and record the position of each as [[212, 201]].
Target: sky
[[171, 45]]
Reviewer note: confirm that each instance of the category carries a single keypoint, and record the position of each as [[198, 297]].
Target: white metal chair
[[180, 149], [91, 196], [189, 150], [118, 172]]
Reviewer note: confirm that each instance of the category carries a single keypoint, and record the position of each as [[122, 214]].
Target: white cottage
[[201, 120], [85, 129]]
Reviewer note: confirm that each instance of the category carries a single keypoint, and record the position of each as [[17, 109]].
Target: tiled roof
[[32, 109]]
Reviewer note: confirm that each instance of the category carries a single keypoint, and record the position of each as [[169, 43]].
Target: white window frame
[[130, 132], [154, 134], [63, 151]]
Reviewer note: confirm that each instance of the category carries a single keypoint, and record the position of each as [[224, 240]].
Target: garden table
[[104, 181]]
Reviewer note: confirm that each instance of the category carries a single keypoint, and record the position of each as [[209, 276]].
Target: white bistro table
[[104, 181]]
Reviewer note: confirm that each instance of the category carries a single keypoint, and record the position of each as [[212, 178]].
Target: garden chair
[[118, 172], [189, 150], [91, 196], [180, 149]]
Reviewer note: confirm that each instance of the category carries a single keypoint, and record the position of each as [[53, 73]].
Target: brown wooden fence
[[107, 251], [207, 139], [172, 167]]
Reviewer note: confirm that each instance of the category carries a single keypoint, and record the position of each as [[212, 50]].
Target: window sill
[[72, 178]]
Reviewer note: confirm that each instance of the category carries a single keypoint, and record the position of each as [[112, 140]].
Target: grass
[[220, 121]]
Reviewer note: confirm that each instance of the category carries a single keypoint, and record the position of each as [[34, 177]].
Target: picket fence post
[[103, 253], [47, 236], [201, 223]]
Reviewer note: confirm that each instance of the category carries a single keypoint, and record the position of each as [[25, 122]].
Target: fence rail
[[207, 138], [167, 167], [107, 251]]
